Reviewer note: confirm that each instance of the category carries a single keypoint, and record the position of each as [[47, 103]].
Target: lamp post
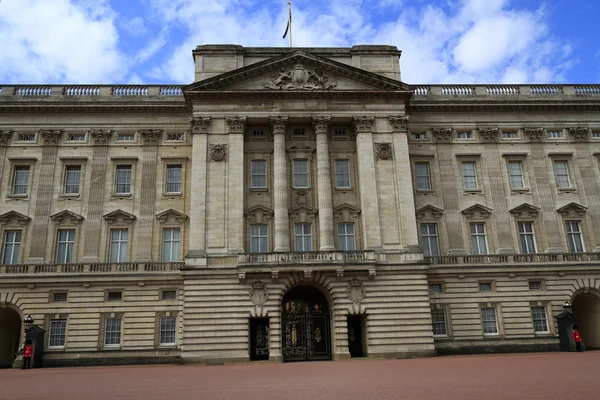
[[567, 306], [28, 322]]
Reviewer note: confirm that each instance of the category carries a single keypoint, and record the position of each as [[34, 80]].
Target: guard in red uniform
[[27, 353], [576, 337]]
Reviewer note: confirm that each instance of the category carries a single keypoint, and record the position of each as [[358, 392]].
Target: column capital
[[5, 137], [278, 124], [199, 125], [151, 137], [101, 138], [363, 123], [320, 123], [399, 122], [236, 124], [51, 137]]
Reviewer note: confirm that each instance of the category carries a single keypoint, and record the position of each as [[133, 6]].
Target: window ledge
[[340, 189], [425, 191], [493, 336], [567, 190], [473, 190], [108, 347], [301, 189], [168, 346], [70, 196], [172, 194], [520, 190], [17, 196], [120, 196], [259, 189]]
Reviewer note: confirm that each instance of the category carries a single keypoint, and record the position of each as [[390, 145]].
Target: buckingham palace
[[296, 204]]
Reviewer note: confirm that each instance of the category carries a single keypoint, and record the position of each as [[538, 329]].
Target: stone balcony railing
[[95, 268], [521, 259], [423, 92], [309, 257], [88, 91]]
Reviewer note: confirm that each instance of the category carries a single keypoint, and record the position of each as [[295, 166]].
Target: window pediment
[[303, 213], [171, 214], [66, 217], [572, 210], [428, 212], [259, 214], [477, 211], [525, 210], [13, 216], [119, 216], [346, 212]]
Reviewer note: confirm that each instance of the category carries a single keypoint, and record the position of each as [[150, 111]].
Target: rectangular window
[[65, 246], [561, 172], [485, 286], [574, 237], [429, 240], [435, 288], [173, 179], [112, 333], [418, 136], [509, 135], [342, 174], [554, 134], [175, 136], [526, 237], [540, 322], [463, 135], [72, 179], [259, 238], [118, 245], [171, 245], [346, 236], [26, 137], [58, 332], [422, 176], [488, 320], [596, 134], [126, 137], [258, 174], [77, 137], [123, 179], [303, 237], [12, 247], [59, 297], [167, 330], [535, 285], [169, 295], [438, 322], [20, 180], [515, 174], [478, 240], [469, 175], [301, 173], [114, 296]]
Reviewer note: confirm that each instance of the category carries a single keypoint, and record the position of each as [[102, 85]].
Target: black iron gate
[[305, 332], [259, 339]]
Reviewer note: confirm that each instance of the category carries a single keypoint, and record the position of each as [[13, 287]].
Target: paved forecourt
[[545, 376]]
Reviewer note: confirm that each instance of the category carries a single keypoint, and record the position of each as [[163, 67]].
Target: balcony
[[516, 259], [308, 258], [95, 268]]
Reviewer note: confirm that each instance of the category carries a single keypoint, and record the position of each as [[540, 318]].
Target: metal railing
[[116, 268], [537, 258]]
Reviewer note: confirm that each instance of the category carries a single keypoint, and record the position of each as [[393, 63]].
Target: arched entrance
[[586, 312], [10, 334], [305, 322]]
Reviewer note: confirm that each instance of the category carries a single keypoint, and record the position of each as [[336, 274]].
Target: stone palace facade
[[296, 204]]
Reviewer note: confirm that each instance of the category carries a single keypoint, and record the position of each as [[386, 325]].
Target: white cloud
[[135, 26]]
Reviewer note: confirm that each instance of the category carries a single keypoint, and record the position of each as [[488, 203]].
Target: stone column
[[371, 226], [405, 199], [93, 222], [280, 195], [199, 130], [324, 194], [235, 236]]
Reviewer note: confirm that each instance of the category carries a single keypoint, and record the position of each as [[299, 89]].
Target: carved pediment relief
[[429, 212], [66, 217], [477, 211], [171, 215], [525, 210], [299, 77], [303, 213], [259, 214], [346, 212], [119, 217], [14, 217], [572, 210]]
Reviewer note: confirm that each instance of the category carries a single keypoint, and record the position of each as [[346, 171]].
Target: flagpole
[[290, 16]]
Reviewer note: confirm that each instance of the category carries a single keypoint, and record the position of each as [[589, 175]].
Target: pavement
[[545, 376]]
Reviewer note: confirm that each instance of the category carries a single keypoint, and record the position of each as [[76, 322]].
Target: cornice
[[250, 95]]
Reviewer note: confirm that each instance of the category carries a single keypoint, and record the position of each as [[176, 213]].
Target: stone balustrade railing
[[422, 91], [539, 258], [308, 257], [53, 91], [111, 268]]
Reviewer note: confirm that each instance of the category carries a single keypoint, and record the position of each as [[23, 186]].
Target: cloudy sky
[[443, 41]]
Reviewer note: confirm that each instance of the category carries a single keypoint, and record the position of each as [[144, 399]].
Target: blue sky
[[443, 41]]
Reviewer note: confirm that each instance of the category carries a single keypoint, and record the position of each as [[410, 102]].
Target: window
[[123, 179], [422, 175], [59, 297], [167, 330], [554, 134], [486, 286], [418, 135], [72, 179], [526, 237], [77, 137], [12, 247], [118, 245], [478, 240], [463, 135], [20, 180], [535, 285], [515, 175], [342, 174], [509, 135], [27, 137], [112, 333], [258, 174], [259, 238], [469, 175], [303, 237], [540, 322], [65, 246], [171, 245], [126, 137], [175, 136], [438, 322], [595, 134], [114, 296], [173, 179], [58, 332], [435, 288], [561, 171], [574, 237], [169, 295], [301, 173], [257, 133], [429, 240], [346, 237], [299, 132], [488, 320]]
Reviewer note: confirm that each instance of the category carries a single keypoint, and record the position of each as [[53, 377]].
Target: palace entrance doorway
[[10, 333], [586, 313], [305, 322]]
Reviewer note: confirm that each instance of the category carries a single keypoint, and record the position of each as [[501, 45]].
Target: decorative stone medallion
[[383, 151], [259, 294], [356, 290], [218, 152]]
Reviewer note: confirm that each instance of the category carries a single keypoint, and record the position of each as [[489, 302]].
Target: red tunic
[[28, 351], [576, 337]]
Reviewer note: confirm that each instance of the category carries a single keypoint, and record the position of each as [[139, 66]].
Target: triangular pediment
[[346, 212], [477, 211], [298, 71], [66, 217], [259, 214], [172, 214], [303, 213], [429, 211], [119, 216], [13, 216], [572, 210], [525, 210]]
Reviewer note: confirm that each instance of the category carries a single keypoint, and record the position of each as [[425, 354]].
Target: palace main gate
[[305, 325]]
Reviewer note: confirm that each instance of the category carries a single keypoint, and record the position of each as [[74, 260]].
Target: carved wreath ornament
[[218, 152], [259, 294], [299, 78], [383, 150]]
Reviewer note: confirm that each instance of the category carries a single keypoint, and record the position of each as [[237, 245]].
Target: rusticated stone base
[[498, 348]]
